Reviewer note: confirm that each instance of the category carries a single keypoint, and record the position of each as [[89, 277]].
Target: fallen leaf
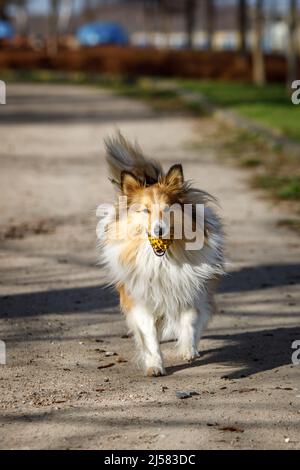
[[231, 429], [283, 388], [105, 366], [183, 395], [121, 360]]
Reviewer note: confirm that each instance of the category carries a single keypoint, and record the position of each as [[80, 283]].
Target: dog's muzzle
[[159, 245]]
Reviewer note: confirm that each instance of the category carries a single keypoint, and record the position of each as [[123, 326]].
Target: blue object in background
[[98, 33], [6, 30]]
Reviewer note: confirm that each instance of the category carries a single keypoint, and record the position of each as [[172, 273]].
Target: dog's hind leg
[[193, 322], [142, 323], [189, 334]]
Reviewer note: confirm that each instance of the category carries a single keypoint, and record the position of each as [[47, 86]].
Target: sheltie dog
[[166, 282]]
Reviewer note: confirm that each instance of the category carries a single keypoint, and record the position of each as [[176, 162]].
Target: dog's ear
[[174, 177], [129, 183]]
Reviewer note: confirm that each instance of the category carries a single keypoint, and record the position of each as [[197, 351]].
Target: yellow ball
[[162, 244]]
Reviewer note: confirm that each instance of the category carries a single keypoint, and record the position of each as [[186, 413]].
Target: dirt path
[[57, 317]]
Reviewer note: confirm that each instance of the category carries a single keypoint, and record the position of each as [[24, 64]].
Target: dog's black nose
[[159, 229]]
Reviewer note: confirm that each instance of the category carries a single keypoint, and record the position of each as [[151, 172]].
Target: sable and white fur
[[162, 297]]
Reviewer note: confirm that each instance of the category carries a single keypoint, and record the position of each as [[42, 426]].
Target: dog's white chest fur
[[167, 285]]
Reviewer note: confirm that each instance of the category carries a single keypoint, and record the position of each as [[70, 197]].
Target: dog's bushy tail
[[121, 156]]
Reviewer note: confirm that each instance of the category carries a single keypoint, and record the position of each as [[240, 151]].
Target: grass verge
[[269, 105]]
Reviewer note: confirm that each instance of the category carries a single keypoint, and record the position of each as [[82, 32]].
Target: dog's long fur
[[162, 297]]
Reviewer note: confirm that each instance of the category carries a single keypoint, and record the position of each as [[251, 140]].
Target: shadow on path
[[261, 277], [251, 352], [85, 299], [58, 301]]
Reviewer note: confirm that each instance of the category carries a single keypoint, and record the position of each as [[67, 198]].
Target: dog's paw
[[190, 356], [155, 371]]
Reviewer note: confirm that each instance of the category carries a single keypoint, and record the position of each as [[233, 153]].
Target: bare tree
[[146, 22], [3, 9], [210, 15], [166, 20], [21, 13], [89, 10], [22, 16], [292, 56], [65, 15], [52, 27], [190, 16], [242, 26], [259, 72]]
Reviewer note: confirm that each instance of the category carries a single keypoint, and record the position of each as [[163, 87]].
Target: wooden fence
[[145, 61]]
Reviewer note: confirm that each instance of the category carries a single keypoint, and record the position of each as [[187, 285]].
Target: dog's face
[[153, 210]]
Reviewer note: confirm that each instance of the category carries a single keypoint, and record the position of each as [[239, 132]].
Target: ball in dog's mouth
[[159, 245]]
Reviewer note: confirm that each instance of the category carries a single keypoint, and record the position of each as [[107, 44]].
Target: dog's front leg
[[142, 323]]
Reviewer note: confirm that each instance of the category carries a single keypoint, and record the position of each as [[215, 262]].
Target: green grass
[[269, 105], [287, 187], [251, 162], [293, 224]]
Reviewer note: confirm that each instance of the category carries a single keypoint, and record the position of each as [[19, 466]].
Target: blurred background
[[207, 83], [240, 57], [255, 40]]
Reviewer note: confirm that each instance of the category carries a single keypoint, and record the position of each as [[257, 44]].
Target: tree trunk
[[292, 55], [89, 12], [65, 16], [242, 26], [210, 13], [3, 13], [190, 12], [22, 16], [52, 32], [259, 73], [146, 23]]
